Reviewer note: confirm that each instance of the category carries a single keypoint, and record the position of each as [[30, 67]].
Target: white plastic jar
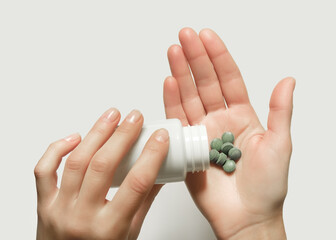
[[188, 152]]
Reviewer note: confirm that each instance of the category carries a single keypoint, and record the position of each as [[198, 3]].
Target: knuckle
[[39, 171], [53, 150], [190, 100], [40, 211], [52, 220], [221, 53], [99, 165], [100, 130], [43, 213], [73, 164], [139, 184], [124, 129], [54, 147], [74, 229]]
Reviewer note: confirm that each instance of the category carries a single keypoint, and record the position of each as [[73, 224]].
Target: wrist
[[271, 229]]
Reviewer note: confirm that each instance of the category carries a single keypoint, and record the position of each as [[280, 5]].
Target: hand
[[79, 209], [250, 199]]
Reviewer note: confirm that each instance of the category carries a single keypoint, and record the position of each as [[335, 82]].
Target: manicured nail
[[133, 116], [162, 135], [73, 137], [111, 114]]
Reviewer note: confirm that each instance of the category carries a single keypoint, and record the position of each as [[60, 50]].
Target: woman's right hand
[[79, 209]]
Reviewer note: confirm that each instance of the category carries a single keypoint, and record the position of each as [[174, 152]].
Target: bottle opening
[[197, 148]]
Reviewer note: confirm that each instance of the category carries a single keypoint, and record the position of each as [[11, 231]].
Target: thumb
[[281, 107], [143, 210]]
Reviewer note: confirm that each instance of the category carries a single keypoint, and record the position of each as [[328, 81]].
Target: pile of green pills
[[224, 153]]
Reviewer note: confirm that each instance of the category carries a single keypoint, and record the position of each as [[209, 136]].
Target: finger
[[79, 159], [190, 99], [141, 178], [45, 170], [281, 106], [99, 175], [172, 101], [231, 81], [142, 212], [204, 74]]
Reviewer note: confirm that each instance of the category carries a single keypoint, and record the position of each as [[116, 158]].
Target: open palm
[[214, 94]]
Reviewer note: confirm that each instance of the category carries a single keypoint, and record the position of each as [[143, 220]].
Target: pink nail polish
[[133, 116], [162, 135], [73, 137], [111, 114]]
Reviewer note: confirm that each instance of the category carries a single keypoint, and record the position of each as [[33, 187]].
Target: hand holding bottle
[[248, 202], [79, 209]]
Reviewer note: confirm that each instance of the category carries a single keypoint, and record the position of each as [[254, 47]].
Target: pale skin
[[79, 208], [248, 203]]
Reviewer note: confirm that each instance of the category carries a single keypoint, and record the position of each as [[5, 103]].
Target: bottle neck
[[197, 148]]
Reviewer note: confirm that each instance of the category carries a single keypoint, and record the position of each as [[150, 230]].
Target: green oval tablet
[[222, 159], [229, 166], [216, 144], [225, 148], [234, 154], [228, 137], [213, 155]]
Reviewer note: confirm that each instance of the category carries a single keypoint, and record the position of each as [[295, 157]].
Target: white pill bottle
[[188, 152]]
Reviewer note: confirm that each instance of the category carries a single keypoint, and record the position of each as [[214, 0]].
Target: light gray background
[[63, 63]]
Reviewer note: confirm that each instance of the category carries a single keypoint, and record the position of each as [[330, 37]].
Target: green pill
[[229, 166], [234, 154], [222, 159], [228, 137], [216, 144], [225, 148], [214, 155]]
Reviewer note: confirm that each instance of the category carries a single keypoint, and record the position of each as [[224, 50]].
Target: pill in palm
[[224, 153], [216, 144], [228, 137], [221, 159], [225, 148], [234, 154], [229, 166], [214, 155]]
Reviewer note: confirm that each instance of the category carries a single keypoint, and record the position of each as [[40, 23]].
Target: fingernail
[[111, 114], [133, 116], [162, 135], [73, 137]]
